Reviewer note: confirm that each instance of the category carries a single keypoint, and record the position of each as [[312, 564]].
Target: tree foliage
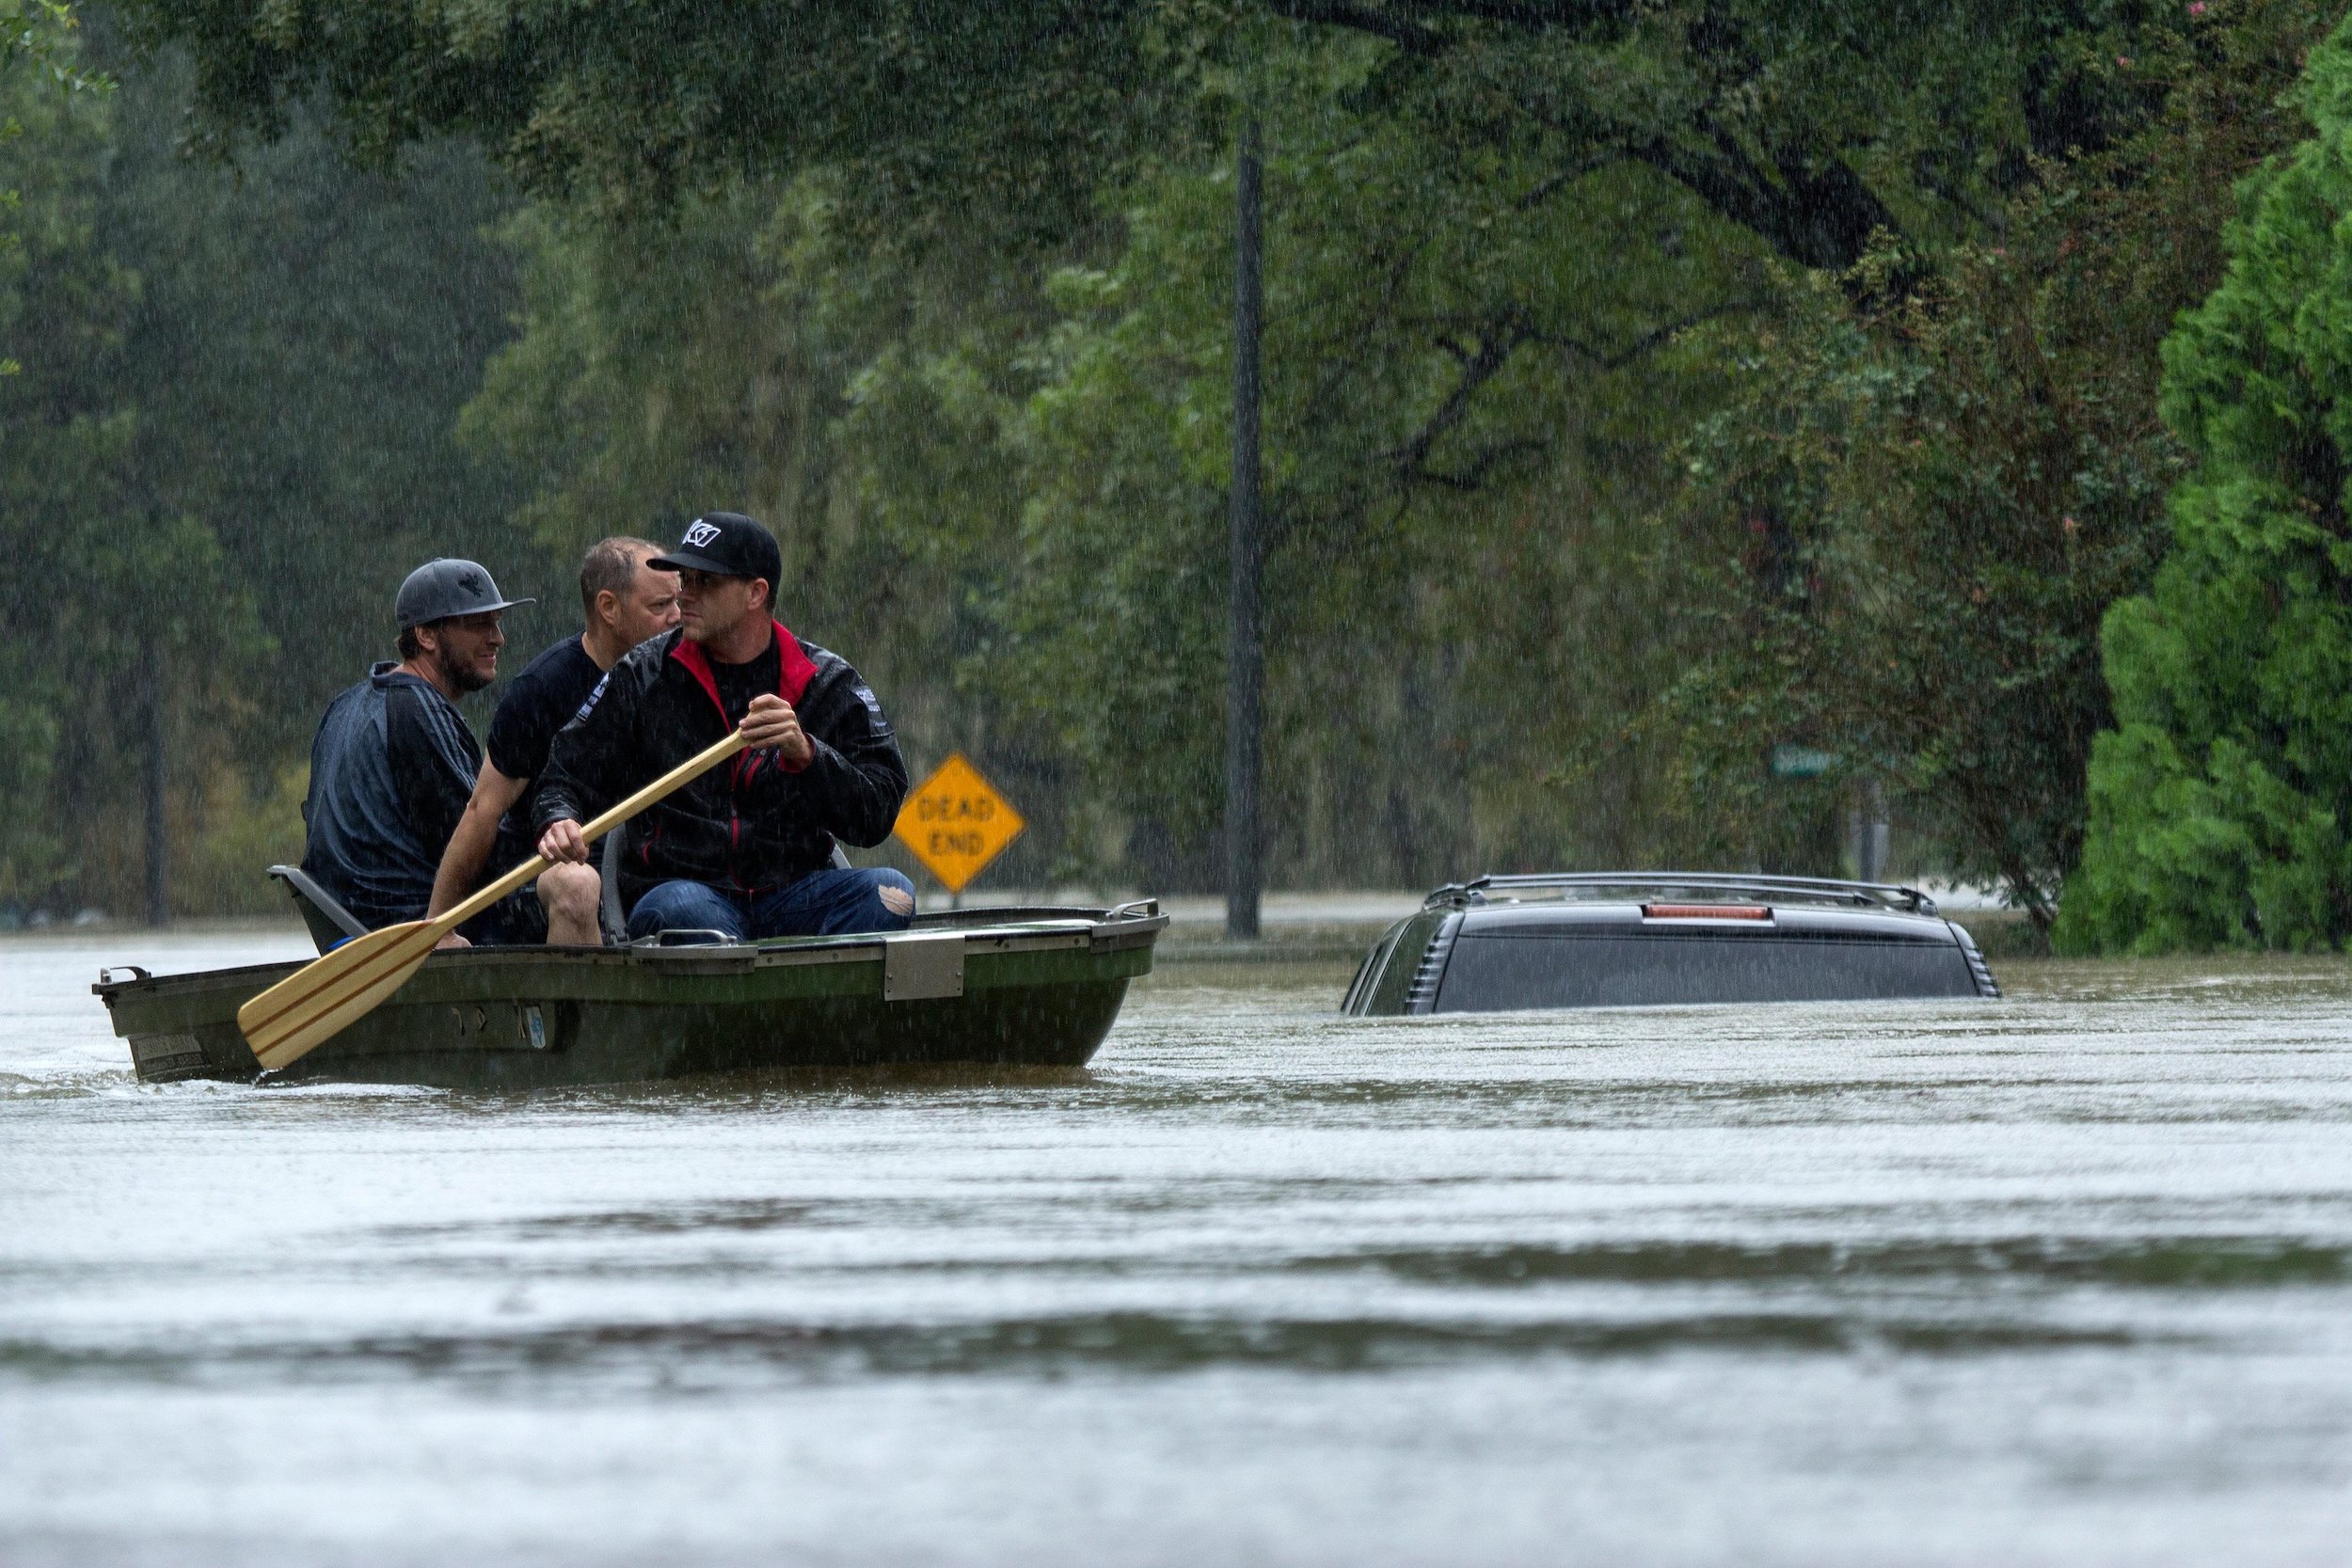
[[230, 435], [1016, 480], [2217, 803], [1938, 477], [37, 45], [1461, 390], [1812, 125], [1648, 385], [1809, 127], [59, 299]]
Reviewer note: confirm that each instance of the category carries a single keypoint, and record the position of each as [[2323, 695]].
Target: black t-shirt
[[739, 683], [548, 693]]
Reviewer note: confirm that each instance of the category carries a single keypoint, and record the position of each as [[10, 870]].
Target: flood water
[[2062, 1279]]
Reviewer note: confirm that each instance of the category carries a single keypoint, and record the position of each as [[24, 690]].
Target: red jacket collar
[[795, 668]]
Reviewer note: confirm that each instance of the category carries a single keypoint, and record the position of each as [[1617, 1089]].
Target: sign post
[[955, 823]]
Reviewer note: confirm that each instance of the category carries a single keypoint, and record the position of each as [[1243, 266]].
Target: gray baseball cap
[[440, 588]]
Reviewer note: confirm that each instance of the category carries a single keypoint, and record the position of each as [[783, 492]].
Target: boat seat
[[331, 923], [616, 918]]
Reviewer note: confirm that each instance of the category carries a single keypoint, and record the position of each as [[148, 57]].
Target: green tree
[[62, 300], [948, 292], [1935, 479], [1496, 254], [1810, 127], [234, 415], [1463, 389], [1011, 494], [37, 44], [2218, 802]]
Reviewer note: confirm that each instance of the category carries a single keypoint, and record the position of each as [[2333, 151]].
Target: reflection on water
[[2058, 1279]]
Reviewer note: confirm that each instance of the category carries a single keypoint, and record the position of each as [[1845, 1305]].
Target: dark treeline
[[1649, 387], [233, 430]]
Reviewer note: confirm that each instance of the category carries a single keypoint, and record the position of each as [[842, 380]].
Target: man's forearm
[[461, 862]]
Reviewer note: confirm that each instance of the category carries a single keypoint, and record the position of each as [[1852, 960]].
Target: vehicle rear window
[[1497, 971]]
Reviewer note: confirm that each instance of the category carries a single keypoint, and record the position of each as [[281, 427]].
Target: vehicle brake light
[[1706, 912]]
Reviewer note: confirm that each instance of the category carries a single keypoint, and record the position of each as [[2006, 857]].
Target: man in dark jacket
[[393, 761], [747, 848]]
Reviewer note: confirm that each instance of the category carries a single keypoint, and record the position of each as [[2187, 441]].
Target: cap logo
[[699, 534]]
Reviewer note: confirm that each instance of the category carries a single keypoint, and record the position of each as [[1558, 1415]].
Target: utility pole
[[158, 835], [1244, 669]]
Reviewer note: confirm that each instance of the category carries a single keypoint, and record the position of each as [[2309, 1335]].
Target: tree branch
[[1553, 184], [1535, 15], [1483, 353], [1618, 360], [1806, 203], [1411, 24], [1410, 36], [1812, 209], [1502, 337], [1473, 478]]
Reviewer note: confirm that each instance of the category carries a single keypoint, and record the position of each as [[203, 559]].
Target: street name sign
[[956, 822], [1802, 762]]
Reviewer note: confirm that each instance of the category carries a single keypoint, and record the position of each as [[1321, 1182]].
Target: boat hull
[[1039, 993]]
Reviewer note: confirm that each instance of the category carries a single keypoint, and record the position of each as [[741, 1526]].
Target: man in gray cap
[[394, 761]]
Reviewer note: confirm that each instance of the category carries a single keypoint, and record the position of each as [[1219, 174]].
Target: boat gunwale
[[1097, 930]]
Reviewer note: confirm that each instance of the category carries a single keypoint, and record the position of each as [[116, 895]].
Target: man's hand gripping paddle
[[323, 998]]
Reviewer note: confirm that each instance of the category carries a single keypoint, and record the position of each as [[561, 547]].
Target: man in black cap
[[394, 761], [745, 849]]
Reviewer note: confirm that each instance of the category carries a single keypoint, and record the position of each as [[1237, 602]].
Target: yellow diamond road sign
[[956, 822]]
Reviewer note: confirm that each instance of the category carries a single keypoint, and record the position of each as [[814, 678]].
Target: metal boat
[[1036, 987], [1651, 938]]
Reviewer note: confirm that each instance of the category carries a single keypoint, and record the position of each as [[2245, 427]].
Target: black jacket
[[390, 769], [748, 826]]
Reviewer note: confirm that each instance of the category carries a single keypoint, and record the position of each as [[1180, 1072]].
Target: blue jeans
[[827, 903]]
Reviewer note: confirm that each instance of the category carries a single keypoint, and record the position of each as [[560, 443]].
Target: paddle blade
[[319, 1000]]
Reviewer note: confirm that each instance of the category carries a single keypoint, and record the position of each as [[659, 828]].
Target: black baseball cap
[[728, 544]]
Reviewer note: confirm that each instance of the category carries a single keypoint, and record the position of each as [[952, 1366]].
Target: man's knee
[[683, 906], [845, 903], [895, 897], [571, 892]]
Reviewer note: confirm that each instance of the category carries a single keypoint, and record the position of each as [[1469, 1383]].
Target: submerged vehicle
[[1652, 938], [1029, 986]]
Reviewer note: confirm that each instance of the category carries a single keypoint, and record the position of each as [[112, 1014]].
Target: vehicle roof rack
[[1811, 890]]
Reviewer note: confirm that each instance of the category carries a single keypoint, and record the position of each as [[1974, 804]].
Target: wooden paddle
[[330, 994]]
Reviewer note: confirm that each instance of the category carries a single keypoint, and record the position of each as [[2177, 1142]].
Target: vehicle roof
[[1617, 917], [1698, 887]]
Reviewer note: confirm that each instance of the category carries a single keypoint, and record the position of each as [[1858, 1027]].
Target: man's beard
[[711, 627], [460, 674]]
